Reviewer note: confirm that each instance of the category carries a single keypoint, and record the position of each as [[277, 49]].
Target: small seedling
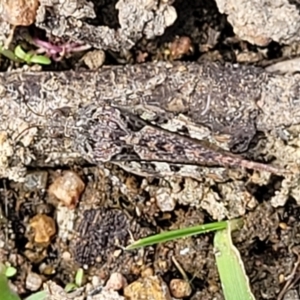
[[10, 272], [19, 56], [78, 281], [30, 57]]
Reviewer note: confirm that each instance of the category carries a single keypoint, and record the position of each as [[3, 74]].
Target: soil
[[106, 213]]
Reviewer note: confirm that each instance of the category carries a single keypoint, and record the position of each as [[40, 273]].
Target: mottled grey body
[[232, 100]]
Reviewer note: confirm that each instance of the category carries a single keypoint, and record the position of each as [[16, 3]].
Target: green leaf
[[31, 58], [176, 234], [235, 283], [5, 291], [79, 277], [78, 281], [70, 287], [10, 272], [42, 295], [40, 59], [20, 53]]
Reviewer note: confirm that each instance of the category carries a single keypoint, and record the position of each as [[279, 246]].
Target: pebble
[[149, 288], [67, 188], [164, 200], [291, 295], [35, 181], [180, 288], [106, 295], [19, 12], [94, 59], [33, 282], [116, 282], [96, 281], [66, 255], [44, 228], [65, 219]]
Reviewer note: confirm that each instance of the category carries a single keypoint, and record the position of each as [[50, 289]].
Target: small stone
[[35, 181], [292, 294], [116, 282], [66, 255], [44, 228], [88, 288], [118, 252], [19, 12], [67, 188], [65, 219], [33, 282], [170, 15], [164, 200], [281, 278], [180, 288], [96, 281], [149, 288], [107, 295], [94, 59]]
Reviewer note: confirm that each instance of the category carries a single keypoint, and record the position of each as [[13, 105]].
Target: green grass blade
[[235, 283], [176, 234]]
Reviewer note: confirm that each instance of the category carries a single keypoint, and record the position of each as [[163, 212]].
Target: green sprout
[[19, 56], [78, 281], [10, 272], [31, 58]]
